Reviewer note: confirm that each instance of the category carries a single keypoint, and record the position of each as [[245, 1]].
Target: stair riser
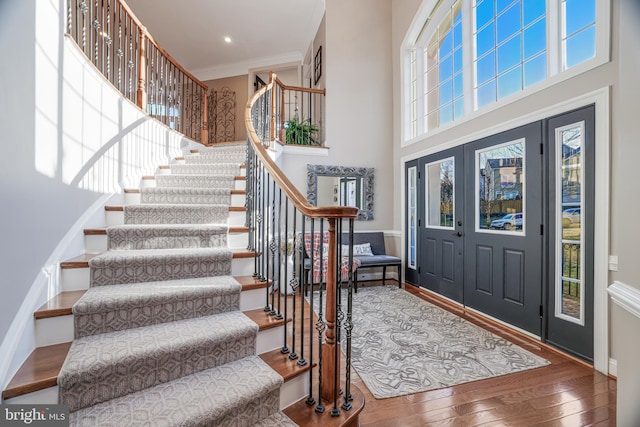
[[117, 218], [98, 243], [294, 390], [54, 330], [134, 198], [151, 183], [57, 330], [290, 392]]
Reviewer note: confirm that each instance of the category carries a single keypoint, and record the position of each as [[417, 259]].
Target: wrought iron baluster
[[310, 400], [346, 405], [321, 324]]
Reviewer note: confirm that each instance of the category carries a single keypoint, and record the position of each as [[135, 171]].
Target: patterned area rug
[[402, 344]]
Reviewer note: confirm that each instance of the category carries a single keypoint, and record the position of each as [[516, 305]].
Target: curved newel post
[[330, 357]]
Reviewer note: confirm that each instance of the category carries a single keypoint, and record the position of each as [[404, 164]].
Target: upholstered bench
[[370, 251]]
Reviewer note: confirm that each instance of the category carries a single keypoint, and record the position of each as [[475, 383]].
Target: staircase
[[160, 322]]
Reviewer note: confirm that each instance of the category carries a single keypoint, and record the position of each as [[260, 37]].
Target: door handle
[[459, 234]]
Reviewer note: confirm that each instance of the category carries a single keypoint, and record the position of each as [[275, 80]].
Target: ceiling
[[263, 33]]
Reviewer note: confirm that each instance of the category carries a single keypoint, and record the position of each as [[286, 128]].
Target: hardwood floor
[[565, 393]]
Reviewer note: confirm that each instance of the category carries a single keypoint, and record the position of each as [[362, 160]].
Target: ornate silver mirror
[[341, 186]]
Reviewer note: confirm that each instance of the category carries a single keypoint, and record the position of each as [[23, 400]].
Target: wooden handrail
[[171, 59], [285, 184]]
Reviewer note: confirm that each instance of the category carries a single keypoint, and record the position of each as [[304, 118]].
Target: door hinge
[[418, 270], [419, 222], [542, 229], [418, 175], [541, 310], [541, 148]]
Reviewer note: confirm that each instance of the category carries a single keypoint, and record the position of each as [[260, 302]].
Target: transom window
[[464, 55]]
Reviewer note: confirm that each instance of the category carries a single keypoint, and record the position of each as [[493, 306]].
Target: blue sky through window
[[510, 51]]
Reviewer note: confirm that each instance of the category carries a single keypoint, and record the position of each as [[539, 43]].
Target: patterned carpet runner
[[159, 336]]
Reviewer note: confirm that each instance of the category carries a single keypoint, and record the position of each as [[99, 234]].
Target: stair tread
[[113, 364], [103, 298], [264, 320], [249, 283], [305, 415], [188, 400], [82, 261], [60, 305], [39, 371], [284, 366]]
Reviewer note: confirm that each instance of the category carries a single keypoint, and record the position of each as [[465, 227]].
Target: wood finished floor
[[565, 393]]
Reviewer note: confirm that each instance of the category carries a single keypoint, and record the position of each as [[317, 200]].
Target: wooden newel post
[[141, 94], [283, 131], [330, 363]]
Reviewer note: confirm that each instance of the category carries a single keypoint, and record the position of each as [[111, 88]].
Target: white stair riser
[[54, 330], [48, 396], [238, 199], [237, 219], [151, 183], [242, 267], [98, 243], [237, 240], [163, 171], [114, 218], [250, 300], [117, 218], [131, 198], [293, 390], [269, 339], [95, 243], [148, 183], [75, 279]]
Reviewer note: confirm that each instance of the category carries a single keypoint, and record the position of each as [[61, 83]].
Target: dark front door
[[503, 226], [571, 146], [441, 223]]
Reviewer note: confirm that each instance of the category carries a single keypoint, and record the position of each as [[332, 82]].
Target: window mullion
[[555, 17], [468, 49]]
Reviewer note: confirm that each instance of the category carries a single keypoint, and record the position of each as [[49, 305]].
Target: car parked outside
[[570, 216], [508, 222]]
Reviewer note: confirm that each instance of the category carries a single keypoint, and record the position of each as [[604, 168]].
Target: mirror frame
[[313, 171]]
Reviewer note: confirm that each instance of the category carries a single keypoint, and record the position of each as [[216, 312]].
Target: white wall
[[70, 142], [357, 67]]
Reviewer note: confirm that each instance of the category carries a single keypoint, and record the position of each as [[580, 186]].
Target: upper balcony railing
[[120, 47]]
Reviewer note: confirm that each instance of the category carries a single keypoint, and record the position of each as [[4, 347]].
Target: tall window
[[511, 47], [443, 70], [475, 53]]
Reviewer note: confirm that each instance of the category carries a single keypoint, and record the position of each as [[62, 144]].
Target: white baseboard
[[613, 367]]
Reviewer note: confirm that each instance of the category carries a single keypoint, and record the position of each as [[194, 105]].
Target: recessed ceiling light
[[227, 39]]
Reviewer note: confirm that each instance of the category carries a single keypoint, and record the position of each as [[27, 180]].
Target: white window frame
[[422, 28]]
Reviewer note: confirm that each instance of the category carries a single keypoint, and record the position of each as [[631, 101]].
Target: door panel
[[441, 223], [571, 210], [503, 243]]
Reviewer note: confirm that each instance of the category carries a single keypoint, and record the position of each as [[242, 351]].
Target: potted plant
[[300, 132]]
